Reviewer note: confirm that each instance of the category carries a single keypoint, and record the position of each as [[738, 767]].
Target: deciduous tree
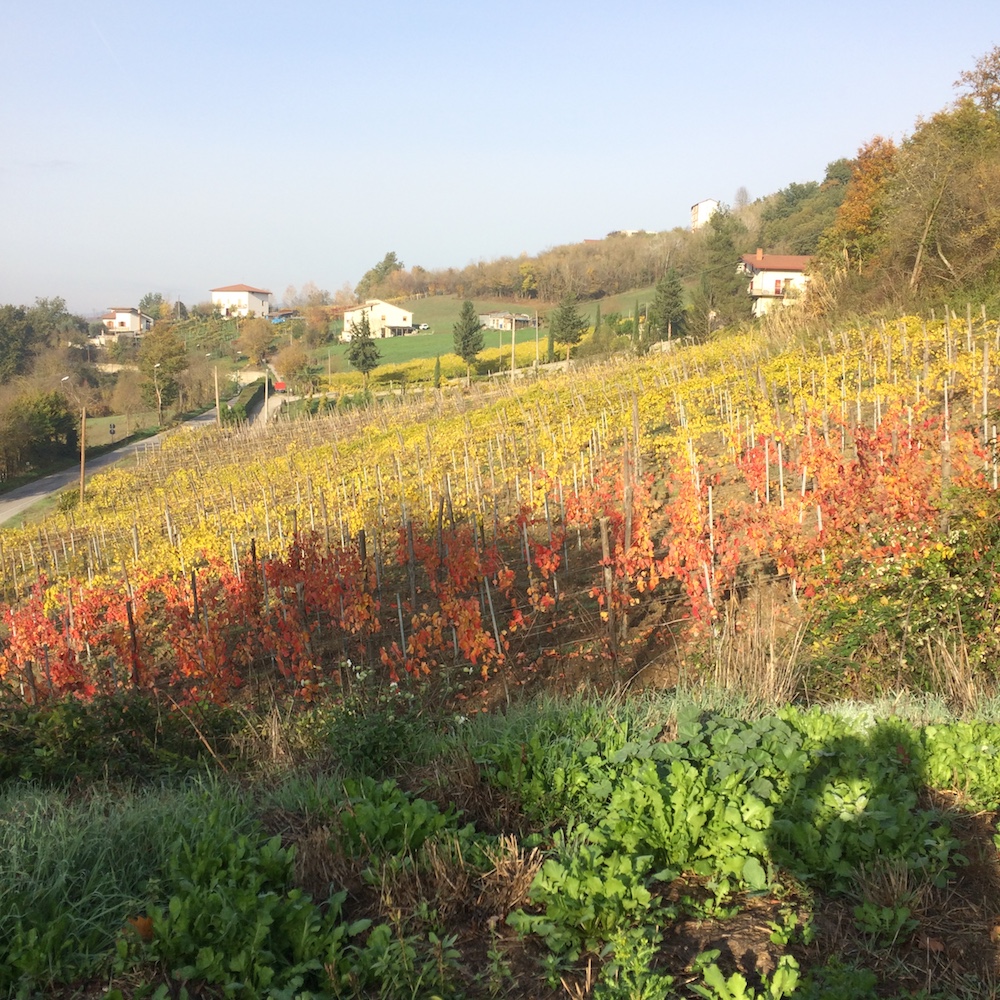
[[256, 338], [856, 232], [982, 82], [17, 342], [152, 304], [376, 275], [162, 357]]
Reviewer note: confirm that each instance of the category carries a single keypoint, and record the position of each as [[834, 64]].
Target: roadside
[[18, 501]]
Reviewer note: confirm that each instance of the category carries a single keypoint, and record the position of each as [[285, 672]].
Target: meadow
[[667, 676]]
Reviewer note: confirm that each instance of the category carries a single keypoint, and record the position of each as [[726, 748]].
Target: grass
[[99, 428], [398, 350], [73, 870], [82, 866]]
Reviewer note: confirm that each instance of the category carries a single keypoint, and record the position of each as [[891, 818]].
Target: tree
[[469, 337], [721, 297], [256, 338], [667, 315], [127, 396], [294, 364], [309, 295], [53, 323], [17, 342], [856, 232], [363, 353], [437, 372], [982, 82], [162, 357], [152, 304], [940, 213], [376, 275], [567, 324]]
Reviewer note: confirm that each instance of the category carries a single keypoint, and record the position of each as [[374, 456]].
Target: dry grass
[[758, 651]]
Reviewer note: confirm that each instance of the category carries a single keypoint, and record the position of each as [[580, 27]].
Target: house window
[[777, 286]]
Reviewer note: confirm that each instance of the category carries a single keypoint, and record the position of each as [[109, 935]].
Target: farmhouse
[[242, 300], [774, 278], [505, 321], [124, 323], [384, 319]]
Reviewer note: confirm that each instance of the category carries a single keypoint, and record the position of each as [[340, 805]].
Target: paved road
[[19, 500]]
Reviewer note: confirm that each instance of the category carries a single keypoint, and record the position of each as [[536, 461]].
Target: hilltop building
[[242, 300], [384, 319], [775, 278], [702, 211]]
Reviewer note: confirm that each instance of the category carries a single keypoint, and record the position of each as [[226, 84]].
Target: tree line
[[896, 225]]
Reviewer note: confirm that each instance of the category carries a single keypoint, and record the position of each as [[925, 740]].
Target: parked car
[[424, 326]]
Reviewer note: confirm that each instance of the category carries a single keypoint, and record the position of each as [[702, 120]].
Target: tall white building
[[702, 212]]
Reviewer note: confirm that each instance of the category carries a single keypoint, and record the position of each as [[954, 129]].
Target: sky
[[175, 146]]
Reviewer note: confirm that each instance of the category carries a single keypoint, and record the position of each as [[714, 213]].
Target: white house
[[775, 278], [505, 321], [702, 212], [242, 300], [124, 323], [384, 319]]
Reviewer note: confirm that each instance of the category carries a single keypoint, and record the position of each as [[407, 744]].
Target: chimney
[[760, 253]]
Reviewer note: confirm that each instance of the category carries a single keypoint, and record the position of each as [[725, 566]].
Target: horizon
[[178, 149]]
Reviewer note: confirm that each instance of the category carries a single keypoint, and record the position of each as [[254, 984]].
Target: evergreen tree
[[722, 296], [374, 276], [666, 316], [437, 372], [363, 353], [468, 331], [567, 325]]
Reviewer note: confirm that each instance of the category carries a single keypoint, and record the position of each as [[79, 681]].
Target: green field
[[98, 428], [396, 350], [440, 313]]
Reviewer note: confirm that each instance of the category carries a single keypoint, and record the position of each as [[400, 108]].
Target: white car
[[424, 326]]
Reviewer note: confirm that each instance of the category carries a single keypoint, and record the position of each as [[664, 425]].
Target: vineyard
[[641, 507], [799, 518]]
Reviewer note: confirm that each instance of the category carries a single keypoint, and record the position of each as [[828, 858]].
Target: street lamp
[[159, 397], [83, 436]]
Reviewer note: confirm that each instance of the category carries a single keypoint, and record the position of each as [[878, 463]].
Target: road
[[17, 501]]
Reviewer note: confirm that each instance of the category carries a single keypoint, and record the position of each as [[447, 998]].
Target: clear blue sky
[[174, 146]]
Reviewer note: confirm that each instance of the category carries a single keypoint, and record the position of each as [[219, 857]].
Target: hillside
[[770, 518], [667, 674]]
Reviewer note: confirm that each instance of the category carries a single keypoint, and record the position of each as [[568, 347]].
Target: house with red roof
[[775, 278], [241, 300], [124, 323]]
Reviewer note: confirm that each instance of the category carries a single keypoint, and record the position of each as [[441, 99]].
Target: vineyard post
[[986, 389], [410, 567], [402, 632], [133, 642], [609, 586], [194, 598]]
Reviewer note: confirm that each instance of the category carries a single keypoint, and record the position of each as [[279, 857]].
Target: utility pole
[[83, 448], [83, 433]]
